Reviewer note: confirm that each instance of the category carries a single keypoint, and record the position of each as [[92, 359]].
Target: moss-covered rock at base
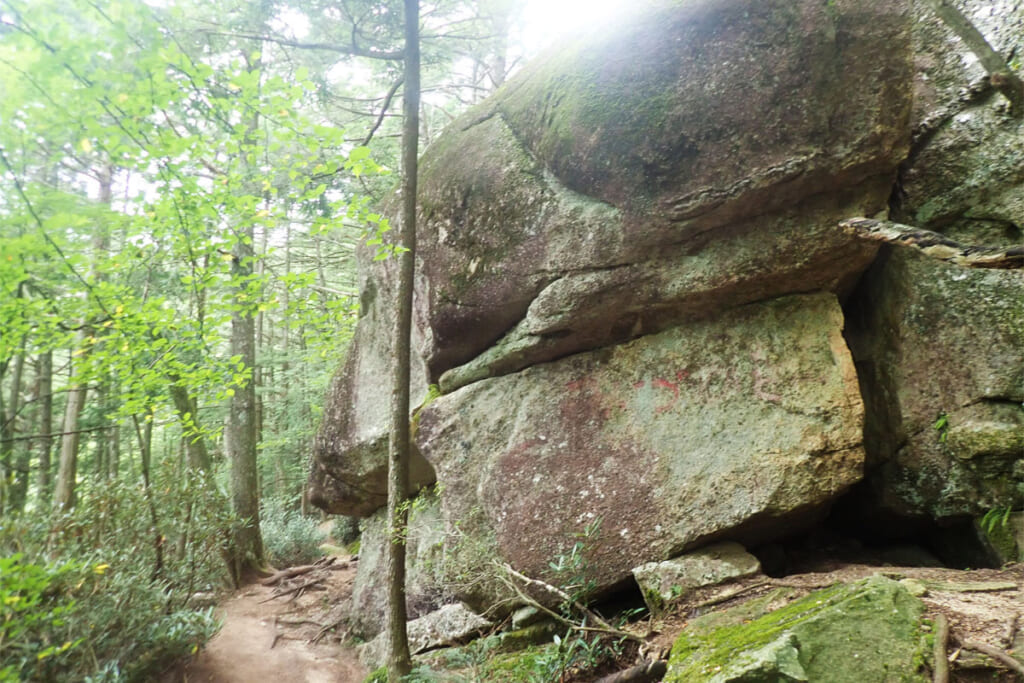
[[866, 631]]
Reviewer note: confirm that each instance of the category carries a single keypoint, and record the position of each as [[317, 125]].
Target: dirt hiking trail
[[270, 637]]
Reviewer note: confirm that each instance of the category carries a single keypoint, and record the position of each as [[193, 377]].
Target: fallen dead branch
[[730, 594], [941, 661], [644, 672], [935, 245], [589, 616], [971, 586], [297, 622], [995, 653]]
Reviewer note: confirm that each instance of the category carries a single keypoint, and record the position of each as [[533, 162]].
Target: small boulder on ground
[[664, 582]]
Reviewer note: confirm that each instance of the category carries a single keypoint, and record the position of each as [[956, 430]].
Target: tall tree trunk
[[399, 659], [144, 433], [8, 428], [240, 432], [67, 470], [102, 438], [44, 394], [258, 371], [114, 463], [67, 464]]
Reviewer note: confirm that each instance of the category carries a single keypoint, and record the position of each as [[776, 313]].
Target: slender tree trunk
[[188, 413], [6, 445], [240, 434], [258, 370], [144, 433], [8, 428], [67, 464], [101, 436], [399, 659], [19, 450], [501, 23], [67, 472], [114, 464], [44, 392]]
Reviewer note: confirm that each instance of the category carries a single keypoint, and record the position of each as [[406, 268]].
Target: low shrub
[[289, 538], [104, 592]]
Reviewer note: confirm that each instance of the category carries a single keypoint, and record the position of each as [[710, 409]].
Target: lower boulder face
[[738, 425], [866, 631], [424, 592]]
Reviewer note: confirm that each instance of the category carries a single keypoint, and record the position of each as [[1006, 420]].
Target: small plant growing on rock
[[589, 640]]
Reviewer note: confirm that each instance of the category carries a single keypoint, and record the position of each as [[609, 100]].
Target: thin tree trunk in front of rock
[[399, 659]]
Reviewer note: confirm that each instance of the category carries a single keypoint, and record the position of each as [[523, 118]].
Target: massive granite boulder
[[942, 363], [963, 175], [349, 472], [741, 424], [608, 191], [693, 158], [940, 349]]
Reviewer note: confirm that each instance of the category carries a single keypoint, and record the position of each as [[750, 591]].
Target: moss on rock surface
[[866, 631]]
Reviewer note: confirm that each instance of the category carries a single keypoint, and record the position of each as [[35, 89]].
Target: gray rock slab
[[736, 424], [664, 582]]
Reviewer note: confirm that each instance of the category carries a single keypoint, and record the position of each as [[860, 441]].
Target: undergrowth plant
[[106, 591], [289, 537]]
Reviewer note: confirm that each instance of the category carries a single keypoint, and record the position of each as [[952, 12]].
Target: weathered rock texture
[[746, 420], [943, 363], [424, 589], [606, 193], [349, 474], [444, 627], [629, 280], [663, 582], [935, 340], [963, 175]]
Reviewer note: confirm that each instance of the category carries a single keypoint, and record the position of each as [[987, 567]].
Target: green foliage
[[995, 519], [289, 538], [34, 601], [572, 569], [345, 530], [942, 426], [107, 593]]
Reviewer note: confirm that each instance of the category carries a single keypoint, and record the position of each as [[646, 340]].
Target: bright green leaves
[[34, 600]]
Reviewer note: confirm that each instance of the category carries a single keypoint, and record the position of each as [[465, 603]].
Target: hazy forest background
[[183, 186]]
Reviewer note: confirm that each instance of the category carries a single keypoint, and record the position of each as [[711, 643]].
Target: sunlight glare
[[547, 21]]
